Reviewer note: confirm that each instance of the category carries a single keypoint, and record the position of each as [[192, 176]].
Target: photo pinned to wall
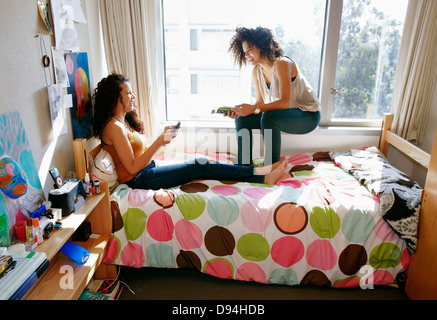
[[81, 112], [57, 109], [21, 192], [61, 75]]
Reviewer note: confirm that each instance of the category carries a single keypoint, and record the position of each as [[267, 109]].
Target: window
[[347, 49]]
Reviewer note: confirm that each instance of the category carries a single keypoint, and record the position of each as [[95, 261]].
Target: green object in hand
[[223, 110]]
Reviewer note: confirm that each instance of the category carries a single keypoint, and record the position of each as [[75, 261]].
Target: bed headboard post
[[80, 151], [386, 126]]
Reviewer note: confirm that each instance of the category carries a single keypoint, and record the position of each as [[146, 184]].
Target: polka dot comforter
[[318, 225]]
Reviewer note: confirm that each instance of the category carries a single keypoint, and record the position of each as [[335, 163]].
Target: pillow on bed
[[103, 169]]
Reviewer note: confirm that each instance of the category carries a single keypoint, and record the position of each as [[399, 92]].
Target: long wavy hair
[[261, 37], [105, 99]]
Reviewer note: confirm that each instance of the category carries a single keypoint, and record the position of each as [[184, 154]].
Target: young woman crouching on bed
[[117, 125]]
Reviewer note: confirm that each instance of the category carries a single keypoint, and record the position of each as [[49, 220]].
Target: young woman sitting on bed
[[117, 125]]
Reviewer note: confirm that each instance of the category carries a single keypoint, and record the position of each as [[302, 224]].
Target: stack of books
[[19, 271], [102, 290]]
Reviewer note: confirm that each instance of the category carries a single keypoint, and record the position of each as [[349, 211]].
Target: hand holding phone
[[176, 127]]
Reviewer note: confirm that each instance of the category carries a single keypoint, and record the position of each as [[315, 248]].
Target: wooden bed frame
[[422, 272]]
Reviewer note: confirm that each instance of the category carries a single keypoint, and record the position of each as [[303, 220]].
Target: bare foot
[[276, 174], [277, 164]]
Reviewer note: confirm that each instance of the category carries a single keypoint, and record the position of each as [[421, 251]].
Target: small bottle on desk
[[38, 231]]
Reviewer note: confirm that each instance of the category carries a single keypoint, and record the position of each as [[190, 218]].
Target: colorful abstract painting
[[21, 192], [78, 76]]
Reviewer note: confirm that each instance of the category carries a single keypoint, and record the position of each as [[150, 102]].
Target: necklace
[[123, 121]]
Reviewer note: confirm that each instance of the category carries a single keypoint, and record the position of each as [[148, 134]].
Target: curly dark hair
[[105, 99], [261, 37]]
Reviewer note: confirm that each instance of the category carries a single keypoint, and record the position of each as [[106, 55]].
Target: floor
[[188, 284]]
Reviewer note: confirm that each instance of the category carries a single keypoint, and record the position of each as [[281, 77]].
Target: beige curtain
[[417, 71], [128, 28]]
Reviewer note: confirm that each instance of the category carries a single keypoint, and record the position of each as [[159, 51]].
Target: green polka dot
[[134, 221], [283, 276], [386, 255], [325, 222], [304, 173], [223, 210], [160, 255], [357, 226], [191, 205], [253, 247]]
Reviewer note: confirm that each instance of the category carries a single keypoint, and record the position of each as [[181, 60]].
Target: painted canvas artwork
[[81, 112], [21, 192]]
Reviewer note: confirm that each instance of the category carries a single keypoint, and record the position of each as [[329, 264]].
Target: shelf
[[69, 225], [66, 279]]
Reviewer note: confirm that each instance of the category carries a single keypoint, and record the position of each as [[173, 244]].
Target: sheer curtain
[[417, 71], [129, 29]]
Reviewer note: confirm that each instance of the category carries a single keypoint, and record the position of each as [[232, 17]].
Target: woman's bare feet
[[276, 174]]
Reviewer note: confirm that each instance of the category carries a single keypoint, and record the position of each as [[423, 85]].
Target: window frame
[[331, 39]]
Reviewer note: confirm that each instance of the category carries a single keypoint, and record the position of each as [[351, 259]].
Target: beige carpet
[[187, 284]]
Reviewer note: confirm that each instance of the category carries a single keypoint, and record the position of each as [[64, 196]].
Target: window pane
[[370, 37], [199, 70]]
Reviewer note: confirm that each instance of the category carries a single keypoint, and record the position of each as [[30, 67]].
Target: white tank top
[[303, 95]]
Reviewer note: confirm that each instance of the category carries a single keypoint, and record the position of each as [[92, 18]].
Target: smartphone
[[56, 176], [176, 127]]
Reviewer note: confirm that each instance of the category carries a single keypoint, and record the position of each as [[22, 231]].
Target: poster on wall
[[57, 109], [81, 110], [21, 192], [66, 37]]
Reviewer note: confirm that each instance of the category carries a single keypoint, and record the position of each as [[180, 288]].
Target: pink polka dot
[[188, 234], [384, 232], [132, 255], [405, 259], [256, 193], [254, 217], [138, 197], [220, 268], [112, 251], [299, 159], [321, 255], [250, 271], [287, 251], [350, 282], [163, 156], [380, 278], [295, 184], [160, 226], [226, 190]]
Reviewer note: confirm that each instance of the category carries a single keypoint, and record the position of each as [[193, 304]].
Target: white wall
[[24, 86]]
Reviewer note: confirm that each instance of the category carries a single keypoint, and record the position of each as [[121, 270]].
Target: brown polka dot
[[316, 278], [117, 221], [188, 259], [322, 156], [229, 182], [164, 198], [352, 259], [303, 167], [194, 187], [219, 241]]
